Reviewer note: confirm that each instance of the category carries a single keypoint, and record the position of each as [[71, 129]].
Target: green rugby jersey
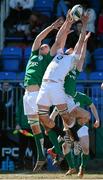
[[82, 99], [36, 67], [70, 82]]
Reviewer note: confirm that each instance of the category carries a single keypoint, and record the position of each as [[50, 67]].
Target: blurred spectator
[[100, 27], [91, 24], [37, 22], [95, 5], [45, 7], [61, 9], [20, 11], [42, 15], [25, 141], [7, 98]]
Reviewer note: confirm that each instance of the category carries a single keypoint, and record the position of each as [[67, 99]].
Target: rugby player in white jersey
[[52, 91]]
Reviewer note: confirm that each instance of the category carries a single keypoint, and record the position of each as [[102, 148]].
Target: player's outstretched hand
[[58, 23], [84, 19], [87, 36], [96, 124], [69, 17]]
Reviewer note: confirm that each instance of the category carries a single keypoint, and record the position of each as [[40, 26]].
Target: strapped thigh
[[43, 112], [64, 111]]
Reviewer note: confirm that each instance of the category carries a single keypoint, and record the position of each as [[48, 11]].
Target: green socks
[[53, 138], [70, 160], [39, 140], [77, 161], [84, 160]]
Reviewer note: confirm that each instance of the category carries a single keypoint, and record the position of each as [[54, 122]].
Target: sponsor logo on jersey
[[34, 63], [40, 58], [59, 58]]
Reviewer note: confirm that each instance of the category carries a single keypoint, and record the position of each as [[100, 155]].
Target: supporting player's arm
[[78, 46], [95, 114], [62, 35], [45, 32], [83, 53]]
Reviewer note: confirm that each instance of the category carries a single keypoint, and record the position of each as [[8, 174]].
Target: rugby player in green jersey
[[39, 59]]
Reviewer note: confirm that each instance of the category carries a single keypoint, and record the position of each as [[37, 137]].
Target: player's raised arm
[[62, 35], [45, 32], [79, 44], [83, 53], [96, 116]]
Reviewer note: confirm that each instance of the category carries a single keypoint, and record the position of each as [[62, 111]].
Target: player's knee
[[84, 120], [47, 122], [64, 114], [35, 126], [85, 149], [44, 118]]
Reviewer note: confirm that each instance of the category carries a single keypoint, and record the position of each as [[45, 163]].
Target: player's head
[[6, 85], [44, 49], [79, 26], [69, 51]]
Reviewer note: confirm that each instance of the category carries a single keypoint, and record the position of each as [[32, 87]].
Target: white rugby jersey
[[60, 66]]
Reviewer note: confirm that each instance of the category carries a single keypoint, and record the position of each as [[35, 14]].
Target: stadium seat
[[7, 76], [96, 76], [98, 57], [98, 52], [82, 76], [27, 52], [99, 64], [20, 76], [44, 6], [12, 51], [11, 58]]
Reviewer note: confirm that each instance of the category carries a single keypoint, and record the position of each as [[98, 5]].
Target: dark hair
[[86, 4], [78, 22]]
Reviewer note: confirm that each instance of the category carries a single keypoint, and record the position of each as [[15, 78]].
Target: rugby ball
[[77, 12]]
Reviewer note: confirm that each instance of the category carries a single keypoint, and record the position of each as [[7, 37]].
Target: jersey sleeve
[[36, 52], [60, 51], [88, 101]]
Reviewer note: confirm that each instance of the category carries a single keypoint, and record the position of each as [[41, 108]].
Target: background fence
[[11, 96]]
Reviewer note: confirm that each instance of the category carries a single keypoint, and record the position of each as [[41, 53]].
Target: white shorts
[[70, 103], [83, 131], [29, 102], [51, 93]]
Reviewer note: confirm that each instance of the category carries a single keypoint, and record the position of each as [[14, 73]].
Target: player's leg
[[45, 99], [49, 125], [30, 109], [77, 153], [84, 141], [67, 151], [82, 115]]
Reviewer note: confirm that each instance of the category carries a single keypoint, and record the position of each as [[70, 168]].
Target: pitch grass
[[48, 176]]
